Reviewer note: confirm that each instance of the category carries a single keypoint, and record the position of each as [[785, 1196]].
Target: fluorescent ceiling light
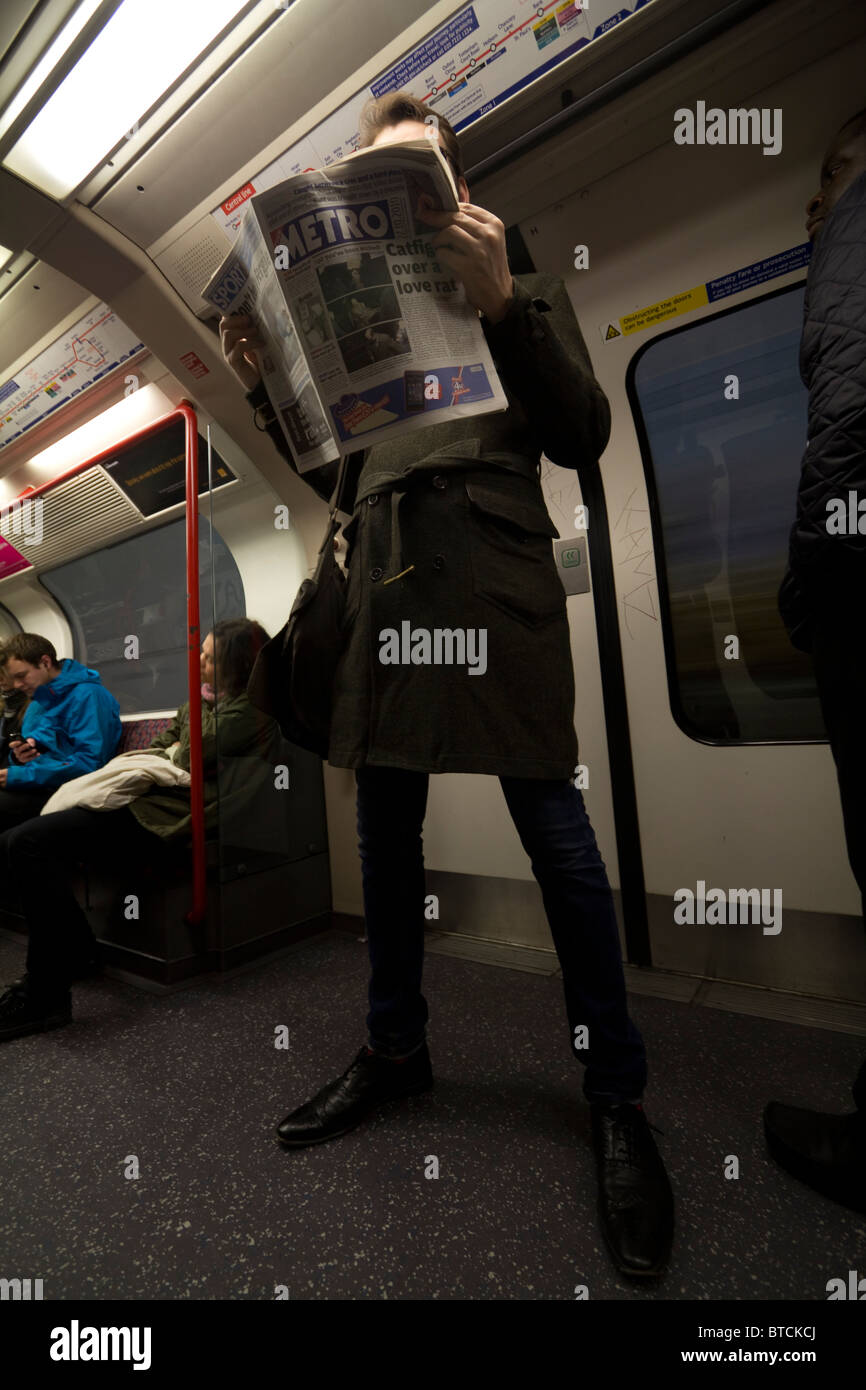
[[108, 428], [67, 36], [140, 53]]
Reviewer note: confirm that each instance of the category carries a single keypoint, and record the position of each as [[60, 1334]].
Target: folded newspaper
[[367, 335]]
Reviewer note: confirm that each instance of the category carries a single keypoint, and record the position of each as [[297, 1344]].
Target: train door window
[[126, 606], [722, 463], [9, 624]]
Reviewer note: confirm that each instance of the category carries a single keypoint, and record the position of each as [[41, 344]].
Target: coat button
[[372, 499], [439, 481], [376, 574], [438, 561], [539, 334]]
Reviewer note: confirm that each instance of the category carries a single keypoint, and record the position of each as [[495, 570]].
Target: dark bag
[[293, 677]]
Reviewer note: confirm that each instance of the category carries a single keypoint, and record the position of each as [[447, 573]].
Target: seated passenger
[[39, 855], [71, 726], [13, 704]]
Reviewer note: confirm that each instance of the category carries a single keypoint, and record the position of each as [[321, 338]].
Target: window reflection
[[722, 475]]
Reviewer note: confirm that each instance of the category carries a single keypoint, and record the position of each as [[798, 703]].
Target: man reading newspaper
[[458, 660]]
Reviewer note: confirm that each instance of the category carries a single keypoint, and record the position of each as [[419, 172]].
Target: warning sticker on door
[[744, 279], [655, 313]]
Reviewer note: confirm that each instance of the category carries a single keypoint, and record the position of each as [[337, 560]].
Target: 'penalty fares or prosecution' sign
[[720, 288]]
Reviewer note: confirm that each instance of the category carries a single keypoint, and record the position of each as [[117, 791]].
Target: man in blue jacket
[[72, 726]]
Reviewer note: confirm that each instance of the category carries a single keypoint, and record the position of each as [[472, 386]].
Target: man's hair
[[858, 123], [237, 642], [380, 112], [29, 647]]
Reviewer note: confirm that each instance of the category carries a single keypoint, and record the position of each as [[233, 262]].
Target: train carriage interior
[[142, 505]]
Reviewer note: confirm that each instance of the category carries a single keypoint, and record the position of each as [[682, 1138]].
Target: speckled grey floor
[[192, 1086]]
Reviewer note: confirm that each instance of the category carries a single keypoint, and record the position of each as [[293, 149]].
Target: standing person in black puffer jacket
[[823, 596]]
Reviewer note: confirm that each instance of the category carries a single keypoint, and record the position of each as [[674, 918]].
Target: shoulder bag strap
[[336, 496]]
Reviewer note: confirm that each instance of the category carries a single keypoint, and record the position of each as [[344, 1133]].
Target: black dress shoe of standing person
[[635, 1201], [84, 967], [826, 1151], [369, 1082], [23, 1010]]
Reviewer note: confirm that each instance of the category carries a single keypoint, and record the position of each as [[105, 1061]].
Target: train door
[[735, 786]]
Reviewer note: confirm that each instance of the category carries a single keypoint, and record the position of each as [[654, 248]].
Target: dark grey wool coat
[[461, 504]]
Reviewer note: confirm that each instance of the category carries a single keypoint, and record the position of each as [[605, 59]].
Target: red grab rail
[[193, 619]]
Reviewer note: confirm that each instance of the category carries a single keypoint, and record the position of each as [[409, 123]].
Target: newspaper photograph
[[367, 335]]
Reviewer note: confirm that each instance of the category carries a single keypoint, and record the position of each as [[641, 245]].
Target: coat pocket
[[510, 552]]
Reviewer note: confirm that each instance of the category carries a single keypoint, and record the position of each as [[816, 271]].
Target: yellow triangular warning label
[[611, 333]]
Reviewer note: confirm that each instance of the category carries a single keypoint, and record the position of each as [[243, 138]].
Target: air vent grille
[[191, 260], [76, 517]]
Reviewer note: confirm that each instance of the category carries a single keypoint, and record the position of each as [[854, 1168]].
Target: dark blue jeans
[[555, 832]]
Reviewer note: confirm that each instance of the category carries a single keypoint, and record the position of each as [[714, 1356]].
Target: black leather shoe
[[369, 1082], [635, 1201], [87, 967], [826, 1151], [21, 1013]]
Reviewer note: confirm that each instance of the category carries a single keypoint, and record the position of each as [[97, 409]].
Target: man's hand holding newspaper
[[240, 344], [471, 242]]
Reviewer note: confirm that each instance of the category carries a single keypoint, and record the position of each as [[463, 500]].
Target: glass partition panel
[[271, 839], [137, 589]]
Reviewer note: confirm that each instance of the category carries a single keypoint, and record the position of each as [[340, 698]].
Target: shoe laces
[[16, 993], [359, 1064], [627, 1135]]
